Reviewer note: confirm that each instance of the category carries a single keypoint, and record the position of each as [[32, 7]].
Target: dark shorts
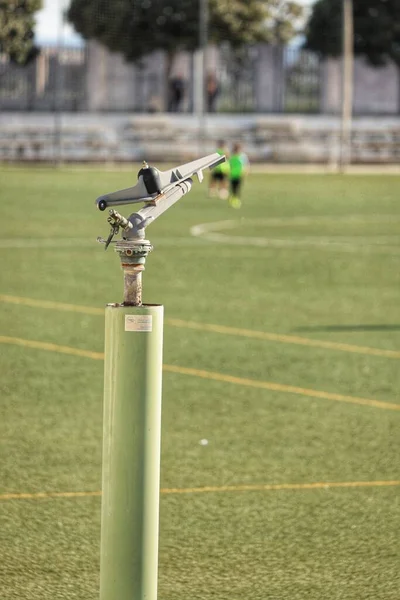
[[235, 186], [218, 176]]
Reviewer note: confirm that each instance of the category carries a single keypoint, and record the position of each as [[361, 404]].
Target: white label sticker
[[138, 322]]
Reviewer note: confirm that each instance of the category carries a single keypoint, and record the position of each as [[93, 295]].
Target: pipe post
[[131, 437]]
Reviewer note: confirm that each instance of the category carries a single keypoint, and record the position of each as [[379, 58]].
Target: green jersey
[[237, 164], [223, 167]]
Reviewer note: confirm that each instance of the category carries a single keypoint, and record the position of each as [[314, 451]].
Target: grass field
[[282, 349]]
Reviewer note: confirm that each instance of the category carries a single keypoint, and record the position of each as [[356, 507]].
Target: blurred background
[[297, 82]]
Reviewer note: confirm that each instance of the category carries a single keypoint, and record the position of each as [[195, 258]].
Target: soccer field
[[281, 348]]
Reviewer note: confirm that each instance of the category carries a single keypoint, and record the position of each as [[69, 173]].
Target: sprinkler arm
[[133, 227], [152, 183], [158, 190], [153, 209]]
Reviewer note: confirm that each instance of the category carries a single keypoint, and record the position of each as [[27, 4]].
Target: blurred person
[[219, 179], [238, 168], [212, 91], [176, 93]]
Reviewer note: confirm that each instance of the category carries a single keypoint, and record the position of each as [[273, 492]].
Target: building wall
[[376, 90], [113, 84]]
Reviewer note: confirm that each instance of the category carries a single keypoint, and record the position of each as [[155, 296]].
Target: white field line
[[48, 243], [212, 232]]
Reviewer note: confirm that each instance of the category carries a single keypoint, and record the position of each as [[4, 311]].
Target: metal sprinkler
[[158, 190], [132, 391]]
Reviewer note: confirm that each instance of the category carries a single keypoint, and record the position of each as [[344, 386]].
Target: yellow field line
[[211, 489], [51, 347], [41, 495], [279, 387], [211, 375], [280, 486], [247, 333], [87, 310], [286, 339]]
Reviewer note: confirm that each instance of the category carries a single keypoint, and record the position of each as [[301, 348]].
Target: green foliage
[[376, 29], [137, 27], [239, 22], [16, 29], [284, 20]]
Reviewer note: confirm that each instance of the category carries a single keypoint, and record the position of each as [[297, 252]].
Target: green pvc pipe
[[131, 452]]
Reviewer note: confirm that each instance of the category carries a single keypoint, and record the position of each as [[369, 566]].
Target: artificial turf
[[330, 273]]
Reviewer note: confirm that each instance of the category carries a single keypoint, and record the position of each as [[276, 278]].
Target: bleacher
[[97, 137]]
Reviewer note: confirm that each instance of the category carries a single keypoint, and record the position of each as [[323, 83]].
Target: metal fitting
[[133, 254]]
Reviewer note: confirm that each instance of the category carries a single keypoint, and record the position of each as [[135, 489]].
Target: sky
[[49, 22]]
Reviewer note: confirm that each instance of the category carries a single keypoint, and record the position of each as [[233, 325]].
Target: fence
[[303, 82], [256, 79], [55, 80], [59, 80]]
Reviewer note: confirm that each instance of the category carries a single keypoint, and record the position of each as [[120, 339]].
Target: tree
[[285, 19], [138, 27], [376, 29], [16, 29]]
